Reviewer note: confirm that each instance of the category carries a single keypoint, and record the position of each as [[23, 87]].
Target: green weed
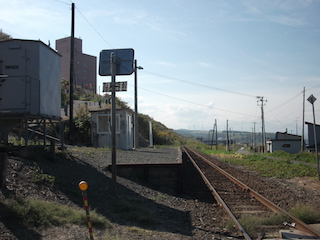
[[268, 167], [41, 178], [305, 213], [39, 213]]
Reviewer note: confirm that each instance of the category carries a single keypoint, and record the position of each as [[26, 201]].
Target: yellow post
[[83, 187]]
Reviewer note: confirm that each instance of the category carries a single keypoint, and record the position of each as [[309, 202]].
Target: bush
[[39, 213], [305, 213], [41, 178]]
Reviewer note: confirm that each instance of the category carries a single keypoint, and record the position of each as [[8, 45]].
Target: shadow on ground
[[125, 208]]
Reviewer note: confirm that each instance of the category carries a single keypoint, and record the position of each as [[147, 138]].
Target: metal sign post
[[115, 62], [311, 99], [113, 121]]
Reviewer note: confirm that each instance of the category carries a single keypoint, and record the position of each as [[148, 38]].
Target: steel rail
[[218, 198], [299, 224]]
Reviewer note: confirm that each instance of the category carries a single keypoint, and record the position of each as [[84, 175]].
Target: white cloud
[[165, 63], [205, 64], [284, 12], [287, 20], [129, 18]]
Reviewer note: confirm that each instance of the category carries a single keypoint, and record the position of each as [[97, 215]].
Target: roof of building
[[308, 123], [108, 108], [28, 40]]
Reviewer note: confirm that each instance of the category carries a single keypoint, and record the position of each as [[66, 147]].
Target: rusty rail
[[218, 198], [299, 224]]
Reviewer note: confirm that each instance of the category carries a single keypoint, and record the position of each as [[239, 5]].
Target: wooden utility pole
[[215, 123], [227, 139], [71, 77], [254, 136], [135, 126], [213, 130], [263, 131]]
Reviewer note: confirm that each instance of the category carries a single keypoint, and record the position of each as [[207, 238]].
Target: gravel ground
[[148, 213]]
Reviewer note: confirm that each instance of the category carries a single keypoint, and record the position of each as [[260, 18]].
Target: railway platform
[[161, 167]]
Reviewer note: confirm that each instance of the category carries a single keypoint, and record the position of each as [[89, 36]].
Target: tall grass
[[305, 213], [308, 157], [251, 223], [42, 214], [267, 167], [280, 166]]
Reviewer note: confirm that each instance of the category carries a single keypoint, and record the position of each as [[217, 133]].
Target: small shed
[[30, 88], [101, 128], [289, 143]]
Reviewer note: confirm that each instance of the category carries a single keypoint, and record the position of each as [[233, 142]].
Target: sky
[[202, 60]]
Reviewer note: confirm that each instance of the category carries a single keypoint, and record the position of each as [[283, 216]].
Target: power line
[[317, 86], [196, 103], [94, 28], [276, 118], [87, 22], [281, 105], [199, 84], [62, 2], [311, 88]]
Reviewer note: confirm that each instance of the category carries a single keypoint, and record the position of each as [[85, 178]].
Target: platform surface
[[147, 156]]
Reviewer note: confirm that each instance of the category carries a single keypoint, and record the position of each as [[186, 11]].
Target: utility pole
[[303, 110], [136, 124], [254, 136], [71, 77], [215, 123], [263, 131], [232, 138], [227, 140], [213, 130]]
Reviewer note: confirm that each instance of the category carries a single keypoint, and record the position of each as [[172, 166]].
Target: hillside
[[162, 135], [239, 136]]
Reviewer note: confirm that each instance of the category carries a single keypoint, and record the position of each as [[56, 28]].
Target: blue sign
[[124, 61]]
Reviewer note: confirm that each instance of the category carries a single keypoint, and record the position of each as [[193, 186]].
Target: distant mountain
[[238, 136]]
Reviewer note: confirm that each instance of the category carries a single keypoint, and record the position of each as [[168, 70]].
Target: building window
[[104, 123], [286, 145]]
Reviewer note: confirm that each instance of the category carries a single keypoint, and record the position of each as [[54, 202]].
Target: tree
[[4, 36]]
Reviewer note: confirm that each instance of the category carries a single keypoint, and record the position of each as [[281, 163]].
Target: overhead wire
[[62, 2], [193, 83], [76, 7], [199, 84], [270, 111], [94, 28], [195, 103], [317, 86], [284, 103]]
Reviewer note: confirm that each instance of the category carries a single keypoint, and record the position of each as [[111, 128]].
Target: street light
[[136, 137], [312, 99]]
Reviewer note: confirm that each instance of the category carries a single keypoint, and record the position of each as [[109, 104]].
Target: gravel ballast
[[136, 211]]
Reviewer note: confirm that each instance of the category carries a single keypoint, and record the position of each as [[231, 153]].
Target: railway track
[[242, 202]]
